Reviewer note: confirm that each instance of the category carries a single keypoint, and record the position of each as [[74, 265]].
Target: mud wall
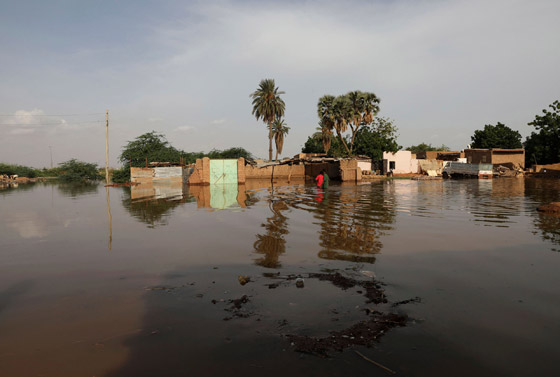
[[277, 171], [517, 158]]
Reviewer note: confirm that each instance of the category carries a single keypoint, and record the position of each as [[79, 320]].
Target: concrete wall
[[152, 175], [403, 162], [365, 165]]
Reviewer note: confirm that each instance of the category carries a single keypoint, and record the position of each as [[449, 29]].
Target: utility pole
[[51, 156], [107, 147]]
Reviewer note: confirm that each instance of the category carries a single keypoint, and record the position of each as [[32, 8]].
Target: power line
[[49, 115], [48, 124]]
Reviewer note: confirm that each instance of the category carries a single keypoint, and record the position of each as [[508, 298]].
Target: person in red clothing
[[319, 179]]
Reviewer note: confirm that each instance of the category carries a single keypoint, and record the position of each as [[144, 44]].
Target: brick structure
[[511, 158]]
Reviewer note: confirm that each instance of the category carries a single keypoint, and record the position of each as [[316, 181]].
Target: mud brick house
[[506, 157]]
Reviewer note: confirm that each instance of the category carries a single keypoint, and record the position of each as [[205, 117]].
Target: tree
[[377, 137], [268, 106], [326, 137], [316, 144], [78, 171], [279, 130], [543, 147], [235, 152], [498, 136], [423, 147], [150, 147], [352, 110]]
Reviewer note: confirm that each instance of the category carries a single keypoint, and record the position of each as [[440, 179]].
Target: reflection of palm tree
[[272, 244], [352, 222]]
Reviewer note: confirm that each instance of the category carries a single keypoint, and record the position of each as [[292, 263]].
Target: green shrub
[[78, 171], [22, 171]]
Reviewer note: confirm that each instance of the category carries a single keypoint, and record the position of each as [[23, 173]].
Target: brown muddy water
[[146, 287]]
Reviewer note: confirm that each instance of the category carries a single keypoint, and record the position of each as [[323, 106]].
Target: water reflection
[[74, 190], [544, 191], [157, 190], [352, 218], [272, 244], [220, 196], [153, 210], [110, 218]]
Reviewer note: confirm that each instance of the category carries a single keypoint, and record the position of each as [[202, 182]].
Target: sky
[[442, 70]]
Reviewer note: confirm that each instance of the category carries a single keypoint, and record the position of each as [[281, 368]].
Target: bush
[[78, 171], [22, 171], [121, 175]]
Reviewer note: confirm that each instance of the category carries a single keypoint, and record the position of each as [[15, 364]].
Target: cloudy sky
[[186, 68]]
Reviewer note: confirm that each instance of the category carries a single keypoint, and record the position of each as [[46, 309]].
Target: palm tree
[[363, 107], [352, 110], [268, 106], [325, 134], [279, 130], [332, 113]]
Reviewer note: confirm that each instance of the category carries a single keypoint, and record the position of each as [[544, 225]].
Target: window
[[391, 165]]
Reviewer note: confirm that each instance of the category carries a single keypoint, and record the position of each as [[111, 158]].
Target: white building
[[400, 162]]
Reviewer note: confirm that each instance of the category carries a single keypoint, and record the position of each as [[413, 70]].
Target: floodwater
[[137, 282]]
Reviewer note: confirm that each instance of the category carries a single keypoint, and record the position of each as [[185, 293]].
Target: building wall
[[402, 160], [478, 156], [277, 171], [345, 170], [365, 165], [152, 175], [515, 157], [349, 171], [433, 155], [312, 170], [201, 172]]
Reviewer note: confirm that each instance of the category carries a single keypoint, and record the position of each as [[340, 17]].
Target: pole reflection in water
[[110, 218]]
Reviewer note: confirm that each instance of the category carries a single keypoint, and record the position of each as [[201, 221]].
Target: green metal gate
[[223, 171]]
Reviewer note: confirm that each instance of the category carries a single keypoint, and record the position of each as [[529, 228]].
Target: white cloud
[[218, 121], [185, 128]]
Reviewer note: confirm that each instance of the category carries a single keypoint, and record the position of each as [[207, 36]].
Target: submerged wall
[[344, 170], [163, 174]]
